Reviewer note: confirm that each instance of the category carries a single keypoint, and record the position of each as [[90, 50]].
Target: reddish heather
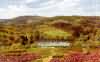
[[93, 56], [25, 57]]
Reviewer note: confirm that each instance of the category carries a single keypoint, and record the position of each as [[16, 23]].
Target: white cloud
[[90, 8], [45, 8], [50, 8], [67, 7], [29, 1]]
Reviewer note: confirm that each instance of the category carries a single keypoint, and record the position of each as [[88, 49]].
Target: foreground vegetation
[[21, 35]]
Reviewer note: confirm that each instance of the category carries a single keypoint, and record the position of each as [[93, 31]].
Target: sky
[[15, 8]]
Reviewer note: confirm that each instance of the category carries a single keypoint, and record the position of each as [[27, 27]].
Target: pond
[[53, 44]]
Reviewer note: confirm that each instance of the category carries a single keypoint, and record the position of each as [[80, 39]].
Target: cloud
[[14, 8], [88, 7], [67, 7]]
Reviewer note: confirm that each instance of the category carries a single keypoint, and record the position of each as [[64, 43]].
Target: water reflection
[[53, 43]]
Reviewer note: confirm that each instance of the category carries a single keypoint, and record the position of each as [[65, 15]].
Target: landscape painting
[[49, 31]]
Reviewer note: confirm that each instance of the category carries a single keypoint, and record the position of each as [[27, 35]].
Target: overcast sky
[[14, 8]]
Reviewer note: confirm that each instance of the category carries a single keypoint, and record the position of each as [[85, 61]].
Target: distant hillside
[[24, 20], [41, 19]]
